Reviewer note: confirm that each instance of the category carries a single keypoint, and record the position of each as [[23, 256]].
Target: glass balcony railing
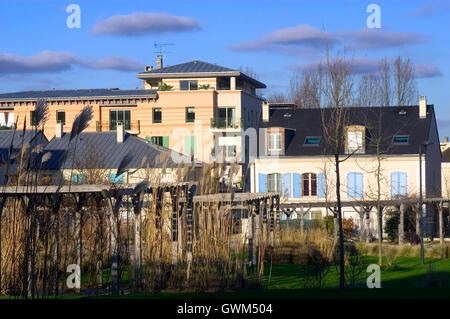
[[226, 123], [112, 126]]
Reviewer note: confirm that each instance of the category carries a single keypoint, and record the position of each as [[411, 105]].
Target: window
[[399, 186], [400, 139], [355, 139], [157, 115], [115, 179], [190, 114], [309, 184], [61, 117], [275, 182], [316, 215], [119, 116], [275, 141], [159, 140], [186, 85], [33, 118], [355, 185], [226, 117], [223, 83], [312, 141]]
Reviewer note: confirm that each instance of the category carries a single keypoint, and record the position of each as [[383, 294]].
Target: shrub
[[328, 223], [165, 87], [391, 224], [391, 257], [412, 238], [348, 226]]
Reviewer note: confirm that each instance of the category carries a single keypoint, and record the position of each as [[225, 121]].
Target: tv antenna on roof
[[160, 46]]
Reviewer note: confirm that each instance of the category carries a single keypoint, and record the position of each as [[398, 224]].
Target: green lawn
[[406, 280]]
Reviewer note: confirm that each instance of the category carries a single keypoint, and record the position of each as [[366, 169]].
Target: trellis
[[263, 212]]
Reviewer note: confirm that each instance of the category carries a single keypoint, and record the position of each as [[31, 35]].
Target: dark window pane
[[33, 118], [193, 85], [190, 114], [184, 85], [305, 184], [157, 115], [157, 140], [61, 117], [313, 185]]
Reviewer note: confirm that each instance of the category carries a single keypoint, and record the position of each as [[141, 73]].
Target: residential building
[[446, 173], [195, 108], [295, 159], [94, 157], [17, 146]]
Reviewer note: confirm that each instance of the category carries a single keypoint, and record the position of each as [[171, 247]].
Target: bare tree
[[368, 91], [306, 88], [338, 93], [277, 98], [405, 82], [384, 73]]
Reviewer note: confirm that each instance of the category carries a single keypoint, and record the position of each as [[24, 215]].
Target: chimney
[[422, 107], [148, 68], [159, 62], [446, 139], [120, 133], [265, 111], [59, 129]]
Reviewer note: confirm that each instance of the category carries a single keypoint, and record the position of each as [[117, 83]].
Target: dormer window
[[274, 141], [354, 142], [400, 139]]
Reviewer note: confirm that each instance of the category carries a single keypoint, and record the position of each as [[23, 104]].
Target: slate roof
[[101, 150], [84, 93], [190, 67], [446, 156], [17, 138], [197, 67], [394, 121]]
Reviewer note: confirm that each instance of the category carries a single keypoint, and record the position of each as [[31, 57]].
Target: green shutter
[[165, 141]]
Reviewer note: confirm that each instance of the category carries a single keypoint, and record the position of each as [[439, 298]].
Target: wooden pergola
[[263, 210]]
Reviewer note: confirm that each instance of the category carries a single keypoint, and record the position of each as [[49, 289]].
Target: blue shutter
[[359, 185], [262, 183], [321, 185], [355, 185], [395, 181], [351, 185], [287, 185], [297, 185], [403, 184]]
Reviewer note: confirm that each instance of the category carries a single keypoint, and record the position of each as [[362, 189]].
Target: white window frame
[[271, 147]]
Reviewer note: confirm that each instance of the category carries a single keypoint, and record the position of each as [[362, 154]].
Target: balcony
[[132, 127], [224, 123]]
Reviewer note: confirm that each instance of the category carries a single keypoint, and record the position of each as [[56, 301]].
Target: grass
[[406, 280]]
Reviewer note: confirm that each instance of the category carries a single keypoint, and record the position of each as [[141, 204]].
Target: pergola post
[[264, 219], [174, 227], [272, 220], [250, 233], [189, 224], [137, 201], [367, 224], [401, 224], [277, 212], [114, 206], [418, 219], [2, 204], [257, 232], [441, 223]]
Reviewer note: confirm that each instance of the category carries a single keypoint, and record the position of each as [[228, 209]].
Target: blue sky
[[273, 38]]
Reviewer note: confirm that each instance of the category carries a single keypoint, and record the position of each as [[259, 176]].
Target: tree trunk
[[441, 224], [401, 224], [341, 233], [380, 235]]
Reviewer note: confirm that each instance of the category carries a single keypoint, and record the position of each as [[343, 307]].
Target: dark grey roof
[[13, 140], [192, 67], [85, 93], [394, 121], [198, 68], [446, 156], [101, 150]]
